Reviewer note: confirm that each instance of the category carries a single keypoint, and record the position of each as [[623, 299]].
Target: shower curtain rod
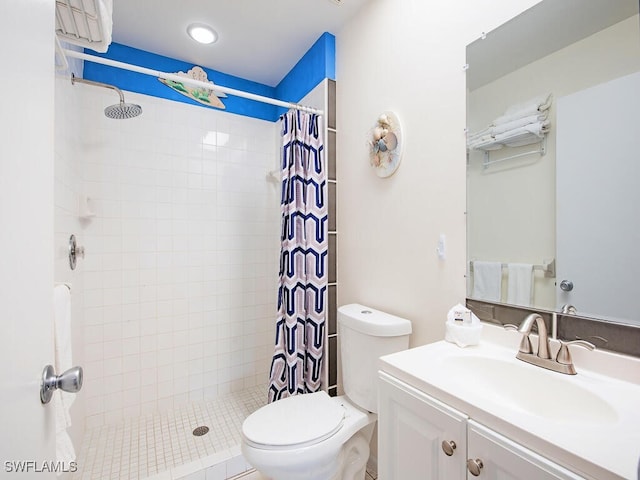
[[197, 83]]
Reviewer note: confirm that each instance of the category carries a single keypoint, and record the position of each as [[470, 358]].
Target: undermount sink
[[529, 389]]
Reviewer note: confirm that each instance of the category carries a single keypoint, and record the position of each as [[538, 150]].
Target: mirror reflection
[[553, 202]]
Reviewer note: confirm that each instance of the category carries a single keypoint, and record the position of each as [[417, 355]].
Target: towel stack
[[520, 125]]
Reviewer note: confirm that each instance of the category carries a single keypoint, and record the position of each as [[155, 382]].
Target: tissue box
[[463, 335]]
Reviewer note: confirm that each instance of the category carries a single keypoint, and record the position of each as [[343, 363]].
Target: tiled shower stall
[[174, 303]]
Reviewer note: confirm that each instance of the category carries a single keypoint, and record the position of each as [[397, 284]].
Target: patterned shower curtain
[[299, 346]]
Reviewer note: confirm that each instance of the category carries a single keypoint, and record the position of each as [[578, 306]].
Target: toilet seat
[[296, 421]]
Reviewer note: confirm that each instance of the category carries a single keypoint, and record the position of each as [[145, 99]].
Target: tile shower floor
[[162, 445]]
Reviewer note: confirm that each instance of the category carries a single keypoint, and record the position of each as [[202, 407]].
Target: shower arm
[[75, 80]]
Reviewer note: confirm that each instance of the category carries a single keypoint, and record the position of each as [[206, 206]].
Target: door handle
[[70, 381]]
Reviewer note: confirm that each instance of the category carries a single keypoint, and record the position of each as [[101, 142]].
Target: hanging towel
[[63, 361], [487, 281], [520, 284]]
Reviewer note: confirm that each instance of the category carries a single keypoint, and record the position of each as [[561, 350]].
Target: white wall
[[26, 223], [181, 258], [407, 57], [522, 229]]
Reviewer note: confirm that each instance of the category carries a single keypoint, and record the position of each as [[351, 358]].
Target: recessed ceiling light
[[202, 33]]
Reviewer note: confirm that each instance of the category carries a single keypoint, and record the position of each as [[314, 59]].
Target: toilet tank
[[365, 335]]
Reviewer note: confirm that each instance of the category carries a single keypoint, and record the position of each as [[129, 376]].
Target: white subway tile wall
[[181, 265]]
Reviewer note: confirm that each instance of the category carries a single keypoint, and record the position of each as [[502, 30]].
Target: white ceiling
[[259, 40]]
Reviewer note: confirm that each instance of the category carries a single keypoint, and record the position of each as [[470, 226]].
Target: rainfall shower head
[[123, 110], [118, 111]]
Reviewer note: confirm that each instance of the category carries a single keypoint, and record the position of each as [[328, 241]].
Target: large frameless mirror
[[566, 203]]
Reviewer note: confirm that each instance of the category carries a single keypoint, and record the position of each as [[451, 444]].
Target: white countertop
[[589, 422]]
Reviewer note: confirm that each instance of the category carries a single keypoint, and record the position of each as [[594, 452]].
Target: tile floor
[[256, 476], [163, 447]]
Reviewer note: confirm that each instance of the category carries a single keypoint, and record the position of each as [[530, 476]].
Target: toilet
[[318, 437]]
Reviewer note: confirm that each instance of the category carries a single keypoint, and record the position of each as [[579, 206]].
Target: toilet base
[[355, 453], [341, 457]]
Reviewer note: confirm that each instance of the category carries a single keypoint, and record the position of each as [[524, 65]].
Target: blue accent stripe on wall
[[140, 83], [317, 64]]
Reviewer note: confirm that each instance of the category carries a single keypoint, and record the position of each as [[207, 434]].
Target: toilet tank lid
[[372, 322]]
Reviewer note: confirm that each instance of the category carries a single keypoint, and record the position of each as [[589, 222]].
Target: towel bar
[[549, 267]]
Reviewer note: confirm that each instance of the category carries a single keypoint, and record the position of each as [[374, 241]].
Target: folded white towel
[[521, 140], [520, 284], [63, 361], [487, 281], [485, 143], [534, 106], [520, 122], [533, 131]]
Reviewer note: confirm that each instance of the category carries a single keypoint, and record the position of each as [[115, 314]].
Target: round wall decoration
[[385, 145]]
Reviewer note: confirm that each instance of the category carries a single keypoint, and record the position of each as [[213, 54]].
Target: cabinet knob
[[474, 466], [448, 447]]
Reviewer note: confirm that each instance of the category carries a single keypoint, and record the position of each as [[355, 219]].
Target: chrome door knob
[[474, 466], [566, 285], [448, 447], [70, 381]]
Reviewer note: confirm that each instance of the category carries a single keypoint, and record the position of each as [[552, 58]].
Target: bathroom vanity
[[451, 413]]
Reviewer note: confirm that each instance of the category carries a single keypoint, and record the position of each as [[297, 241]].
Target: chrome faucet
[[562, 363]]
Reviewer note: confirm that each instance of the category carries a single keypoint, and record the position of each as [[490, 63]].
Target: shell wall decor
[[385, 145]]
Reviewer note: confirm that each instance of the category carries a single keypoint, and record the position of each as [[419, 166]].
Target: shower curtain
[[299, 345]]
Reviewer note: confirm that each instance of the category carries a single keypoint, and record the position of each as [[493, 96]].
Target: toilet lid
[[295, 420]]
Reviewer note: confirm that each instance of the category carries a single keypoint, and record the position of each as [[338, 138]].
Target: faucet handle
[[564, 355], [525, 343]]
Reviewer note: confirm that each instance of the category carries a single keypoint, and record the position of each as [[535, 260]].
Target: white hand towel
[[520, 284], [487, 281], [63, 361]]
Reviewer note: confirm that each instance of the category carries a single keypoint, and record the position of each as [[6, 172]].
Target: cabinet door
[[503, 459], [411, 429]]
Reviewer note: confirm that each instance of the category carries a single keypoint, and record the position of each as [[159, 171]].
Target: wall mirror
[[568, 204]]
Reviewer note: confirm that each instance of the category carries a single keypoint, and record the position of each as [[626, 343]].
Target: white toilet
[[315, 436]]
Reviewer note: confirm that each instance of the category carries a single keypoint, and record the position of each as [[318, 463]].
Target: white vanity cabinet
[[417, 434], [412, 427]]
